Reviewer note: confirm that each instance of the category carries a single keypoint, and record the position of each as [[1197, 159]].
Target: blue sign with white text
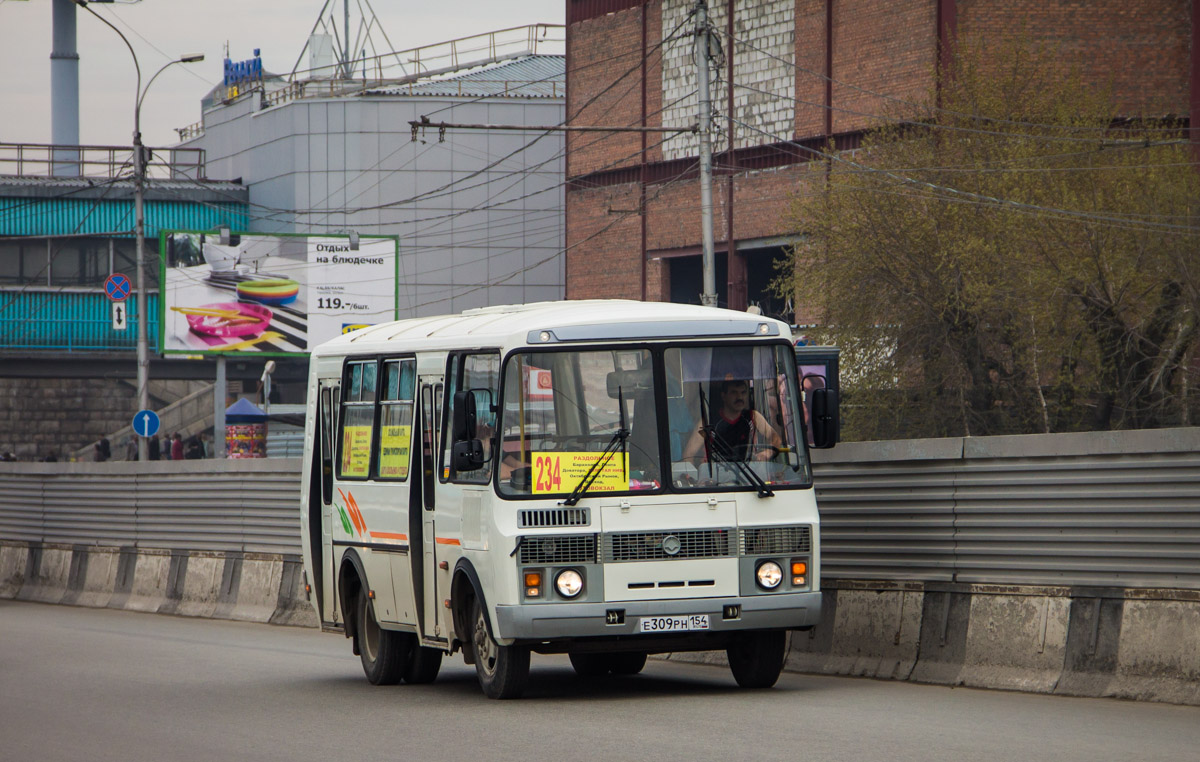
[[146, 423], [243, 71]]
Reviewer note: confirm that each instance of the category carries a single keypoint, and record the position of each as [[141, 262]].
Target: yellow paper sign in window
[[356, 450], [394, 443], [562, 472]]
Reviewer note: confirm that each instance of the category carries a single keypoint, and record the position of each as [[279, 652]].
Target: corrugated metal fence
[[1108, 509], [246, 505]]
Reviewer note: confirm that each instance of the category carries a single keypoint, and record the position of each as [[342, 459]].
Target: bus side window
[[358, 420], [396, 418], [480, 374]]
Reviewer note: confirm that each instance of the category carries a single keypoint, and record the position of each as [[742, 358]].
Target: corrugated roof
[[532, 76]]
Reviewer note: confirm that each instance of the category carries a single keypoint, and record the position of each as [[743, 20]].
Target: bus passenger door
[[431, 414], [324, 579]]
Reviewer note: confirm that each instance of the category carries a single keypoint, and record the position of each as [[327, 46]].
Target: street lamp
[[139, 180]]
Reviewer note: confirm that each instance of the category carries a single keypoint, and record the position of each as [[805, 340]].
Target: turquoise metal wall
[[70, 321], [70, 216]]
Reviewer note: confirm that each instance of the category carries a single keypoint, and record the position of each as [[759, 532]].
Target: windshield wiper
[[724, 452], [618, 438]]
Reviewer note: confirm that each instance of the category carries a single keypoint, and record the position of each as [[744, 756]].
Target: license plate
[[673, 623]]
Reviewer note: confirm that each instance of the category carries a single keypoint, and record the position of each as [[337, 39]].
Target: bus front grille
[[761, 541], [552, 517], [558, 549], [656, 546]]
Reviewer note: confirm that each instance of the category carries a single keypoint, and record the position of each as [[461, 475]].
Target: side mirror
[[463, 426], [826, 424], [467, 455]]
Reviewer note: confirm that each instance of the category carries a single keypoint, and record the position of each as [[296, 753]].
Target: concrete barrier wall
[[251, 587], [1132, 644]]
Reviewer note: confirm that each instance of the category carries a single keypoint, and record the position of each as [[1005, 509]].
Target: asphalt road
[[94, 684]]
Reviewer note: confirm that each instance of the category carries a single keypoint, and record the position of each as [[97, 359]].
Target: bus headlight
[[769, 575], [569, 583]]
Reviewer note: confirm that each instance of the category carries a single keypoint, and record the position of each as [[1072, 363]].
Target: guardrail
[[46, 160]]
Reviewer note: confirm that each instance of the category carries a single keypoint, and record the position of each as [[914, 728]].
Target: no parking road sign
[[117, 286], [146, 423]]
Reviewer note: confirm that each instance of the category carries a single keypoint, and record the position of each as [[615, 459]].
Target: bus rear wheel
[[503, 670], [756, 658], [423, 665], [384, 653]]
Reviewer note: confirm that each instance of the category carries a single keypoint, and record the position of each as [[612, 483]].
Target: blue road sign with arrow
[[146, 423]]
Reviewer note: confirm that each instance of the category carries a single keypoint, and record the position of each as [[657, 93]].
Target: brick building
[[795, 74]]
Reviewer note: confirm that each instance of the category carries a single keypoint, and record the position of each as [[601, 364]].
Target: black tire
[[756, 658], [590, 665], [423, 665], [600, 664], [627, 664], [503, 670], [384, 653]]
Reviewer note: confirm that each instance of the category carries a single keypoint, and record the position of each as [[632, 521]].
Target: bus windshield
[[731, 420]]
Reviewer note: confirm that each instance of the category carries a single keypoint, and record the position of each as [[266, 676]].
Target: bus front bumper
[[554, 621]]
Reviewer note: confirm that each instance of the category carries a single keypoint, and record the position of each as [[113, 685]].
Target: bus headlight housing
[[768, 575], [568, 583]]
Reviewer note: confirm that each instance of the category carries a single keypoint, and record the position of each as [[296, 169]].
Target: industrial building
[[324, 151], [792, 76], [478, 211]]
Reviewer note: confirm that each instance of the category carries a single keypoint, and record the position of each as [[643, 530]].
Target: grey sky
[[160, 30]]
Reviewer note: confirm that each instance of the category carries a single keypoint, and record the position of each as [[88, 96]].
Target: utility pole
[[709, 296], [139, 227]]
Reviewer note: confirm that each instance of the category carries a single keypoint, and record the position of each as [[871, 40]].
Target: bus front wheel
[[503, 670], [384, 653], [756, 658]]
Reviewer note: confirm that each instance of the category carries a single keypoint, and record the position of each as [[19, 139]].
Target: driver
[[738, 431]]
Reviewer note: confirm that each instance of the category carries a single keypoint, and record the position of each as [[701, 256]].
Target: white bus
[[605, 479]]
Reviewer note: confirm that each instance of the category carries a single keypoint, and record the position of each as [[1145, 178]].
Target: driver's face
[[736, 397]]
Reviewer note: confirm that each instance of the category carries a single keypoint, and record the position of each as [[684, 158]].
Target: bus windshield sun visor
[[654, 329]]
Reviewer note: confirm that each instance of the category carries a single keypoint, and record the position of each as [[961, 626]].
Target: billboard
[[271, 294]]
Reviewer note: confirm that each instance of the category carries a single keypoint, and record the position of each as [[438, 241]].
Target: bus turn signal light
[[533, 584], [799, 569]]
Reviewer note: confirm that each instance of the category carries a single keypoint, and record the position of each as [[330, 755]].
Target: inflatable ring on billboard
[[270, 291]]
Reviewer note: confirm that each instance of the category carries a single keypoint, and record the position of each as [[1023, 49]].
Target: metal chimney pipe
[[64, 91]]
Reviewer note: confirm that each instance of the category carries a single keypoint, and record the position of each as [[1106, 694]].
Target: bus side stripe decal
[[447, 541], [390, 536]]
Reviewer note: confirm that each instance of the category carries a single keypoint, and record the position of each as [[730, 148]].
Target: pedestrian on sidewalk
[[176, 447]]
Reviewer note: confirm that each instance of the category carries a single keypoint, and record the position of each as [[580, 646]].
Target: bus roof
[[550, 323]]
